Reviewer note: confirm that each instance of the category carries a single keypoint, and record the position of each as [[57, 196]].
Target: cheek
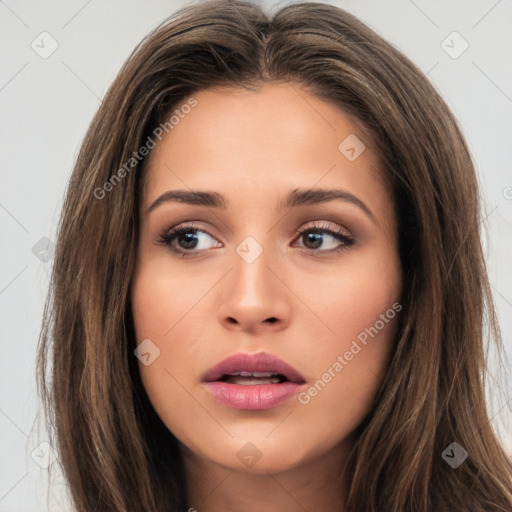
[[349, 360], [346, 372], [351, 300], [162, 298], [165, 306]]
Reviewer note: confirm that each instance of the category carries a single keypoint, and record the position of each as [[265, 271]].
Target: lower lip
[[254, 397]]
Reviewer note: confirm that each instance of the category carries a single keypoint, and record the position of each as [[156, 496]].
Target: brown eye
[[185, 239], [324, 239]]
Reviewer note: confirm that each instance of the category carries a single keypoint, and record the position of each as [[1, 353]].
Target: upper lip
[[261, 362]]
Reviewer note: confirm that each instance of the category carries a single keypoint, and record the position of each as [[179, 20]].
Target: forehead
[[259, 144]]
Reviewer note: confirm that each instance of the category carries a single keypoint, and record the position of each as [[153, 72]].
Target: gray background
[[46, 105]]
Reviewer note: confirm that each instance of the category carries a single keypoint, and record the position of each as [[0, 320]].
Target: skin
[[254, 147]]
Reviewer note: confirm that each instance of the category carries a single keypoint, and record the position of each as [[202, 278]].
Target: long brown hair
[[116, 453]]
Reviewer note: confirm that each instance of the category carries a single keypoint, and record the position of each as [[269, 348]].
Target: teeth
[[254, 374], [244, 381], [245, 378]]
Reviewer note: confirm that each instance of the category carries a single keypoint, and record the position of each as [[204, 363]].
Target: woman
[[269, 288]]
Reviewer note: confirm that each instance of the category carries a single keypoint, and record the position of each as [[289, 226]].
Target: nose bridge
[[253, 281], [254, 293]]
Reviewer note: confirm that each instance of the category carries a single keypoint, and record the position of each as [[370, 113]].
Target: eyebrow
[[297, 197]]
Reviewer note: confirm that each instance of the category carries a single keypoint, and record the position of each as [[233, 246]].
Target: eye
[[190, 239], [314, 237], [186, 239]]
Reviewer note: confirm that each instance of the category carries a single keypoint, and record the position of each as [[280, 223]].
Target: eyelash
[[167, 237]]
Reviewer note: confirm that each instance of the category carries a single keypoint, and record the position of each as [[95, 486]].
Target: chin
[[259, 456]]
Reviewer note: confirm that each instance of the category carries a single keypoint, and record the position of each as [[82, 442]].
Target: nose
[[255, 297]]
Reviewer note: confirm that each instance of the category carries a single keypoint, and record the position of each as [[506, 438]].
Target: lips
[[245, 365], [253, 381]]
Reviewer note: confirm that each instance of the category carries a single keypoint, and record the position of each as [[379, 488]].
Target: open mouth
[[253, 381], [253, 378]]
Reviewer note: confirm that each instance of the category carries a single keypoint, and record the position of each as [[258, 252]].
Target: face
[[298, 290]]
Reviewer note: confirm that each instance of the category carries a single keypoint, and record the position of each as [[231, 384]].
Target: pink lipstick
[[253, 381]]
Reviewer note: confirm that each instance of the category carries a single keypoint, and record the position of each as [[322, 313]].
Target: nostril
[[271, 320]]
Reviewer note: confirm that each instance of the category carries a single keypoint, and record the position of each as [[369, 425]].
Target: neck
[[320, 484]]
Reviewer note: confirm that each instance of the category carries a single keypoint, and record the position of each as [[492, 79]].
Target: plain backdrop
[[47, 101]]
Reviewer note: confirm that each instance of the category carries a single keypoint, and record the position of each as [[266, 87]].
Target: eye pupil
[[316, 238], [189, 238]]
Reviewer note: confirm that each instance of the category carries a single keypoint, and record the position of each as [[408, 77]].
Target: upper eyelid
[[339, 230]]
